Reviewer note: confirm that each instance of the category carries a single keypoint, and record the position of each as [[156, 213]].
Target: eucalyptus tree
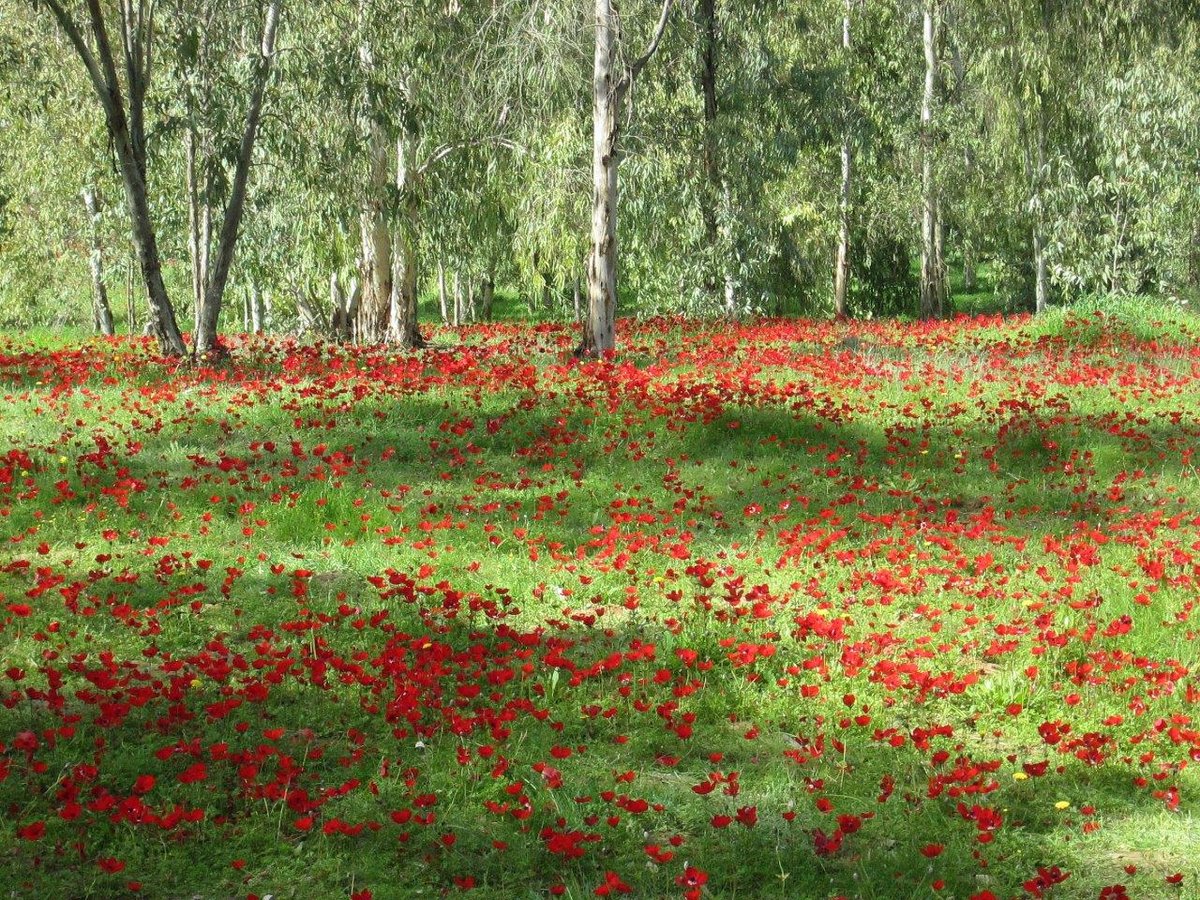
[[422, 103], [933, 276], [101, 311], [217, 276], [52, 148], [841, 273], [613, 79], [123, 102]]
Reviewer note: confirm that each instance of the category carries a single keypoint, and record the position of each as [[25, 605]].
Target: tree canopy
[[316, 165]]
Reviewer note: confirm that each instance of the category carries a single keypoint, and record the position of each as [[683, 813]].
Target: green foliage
[[1077, 122]]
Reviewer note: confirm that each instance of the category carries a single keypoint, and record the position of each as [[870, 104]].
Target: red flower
[[193, 773]]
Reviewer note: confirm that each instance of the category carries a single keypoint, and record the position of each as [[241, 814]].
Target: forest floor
[[789, 609]]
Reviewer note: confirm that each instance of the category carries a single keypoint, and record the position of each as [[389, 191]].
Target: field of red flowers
[[756, 611]]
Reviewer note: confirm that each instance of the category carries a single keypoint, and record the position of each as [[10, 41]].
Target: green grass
[[539, 513]]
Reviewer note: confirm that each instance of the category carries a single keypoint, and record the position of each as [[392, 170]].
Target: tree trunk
[[375, 271], [1041, 289], [599, 329], [337, 306], [344, 304], [101, 312], [608, 96], [458, 299], [575, 302], [127, 132], [256, 325], [130, 310], [970, 280], [403, 327], [932, 282], [311, 317], [162, 315], [469, 312], [488, 290], [199, 227], [708, 86], [402, 310], [218, 276], [970, 277], [841, 275], [442, 292]]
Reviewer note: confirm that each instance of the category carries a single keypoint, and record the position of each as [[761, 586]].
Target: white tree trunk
[[841, 275], [402, 319], [442, 292], [608, 95], [488, 290], [599, 335], [458, 299], [376, 265], [101, 311], [1041, 278], [932, 282], [256, 318]]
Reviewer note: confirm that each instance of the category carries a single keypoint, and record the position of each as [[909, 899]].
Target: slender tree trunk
[[488, 290], [101, 311], [162, 315], [218, 276], [1119, 223], [1041, 289], [256, 325], [939, 259], [469, 313], [337, 306], [194, 240], [932, 281], [441, 278], [575, 304], [246, 311], [403, 327], [130, 310], [375, 272], [127, 131], [311, 318], [608, 96], [599, 330], [457, 299], [841, 275], [970, 280], [708, 85]]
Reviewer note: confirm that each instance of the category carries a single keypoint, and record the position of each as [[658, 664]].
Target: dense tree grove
[[204, 166]]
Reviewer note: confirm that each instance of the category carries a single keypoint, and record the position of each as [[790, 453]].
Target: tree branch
[[638, 64], [446, 149]]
